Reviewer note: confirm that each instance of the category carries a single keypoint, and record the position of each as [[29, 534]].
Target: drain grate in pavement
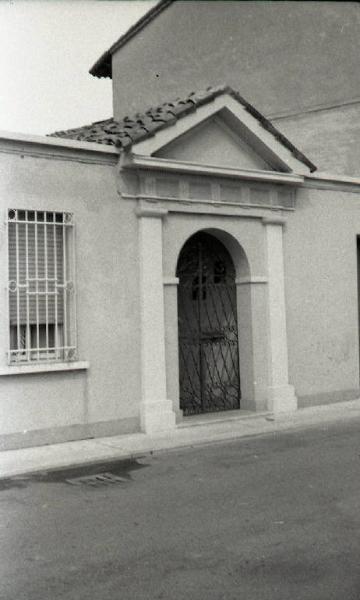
[[99, 479]]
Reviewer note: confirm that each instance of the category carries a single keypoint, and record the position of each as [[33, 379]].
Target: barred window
[[41, 288]]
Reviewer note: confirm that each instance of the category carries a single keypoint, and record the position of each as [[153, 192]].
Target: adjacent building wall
[[329, 137], [284, 57]]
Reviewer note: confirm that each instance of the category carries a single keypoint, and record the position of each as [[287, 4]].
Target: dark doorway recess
[[208, 331]]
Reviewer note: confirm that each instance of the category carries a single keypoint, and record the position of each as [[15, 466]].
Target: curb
[[113, 449]]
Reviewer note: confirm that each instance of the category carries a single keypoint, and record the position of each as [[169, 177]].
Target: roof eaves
[[128, 131], [102, 67]]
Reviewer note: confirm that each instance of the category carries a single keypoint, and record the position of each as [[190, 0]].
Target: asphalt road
[[268, 518]]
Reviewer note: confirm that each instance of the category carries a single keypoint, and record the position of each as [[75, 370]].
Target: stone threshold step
[[223, 417]]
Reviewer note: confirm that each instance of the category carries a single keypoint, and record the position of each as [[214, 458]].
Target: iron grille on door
[[208, 333]]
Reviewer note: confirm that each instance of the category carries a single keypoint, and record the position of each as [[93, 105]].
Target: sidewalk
[[197, 432]]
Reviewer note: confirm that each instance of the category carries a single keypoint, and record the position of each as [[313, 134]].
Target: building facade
[[185, 261]]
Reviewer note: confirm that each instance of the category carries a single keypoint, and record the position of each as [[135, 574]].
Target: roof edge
[[148, 124], [102, 67], [226, 89]]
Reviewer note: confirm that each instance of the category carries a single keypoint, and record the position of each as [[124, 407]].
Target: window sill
[[44, 368]]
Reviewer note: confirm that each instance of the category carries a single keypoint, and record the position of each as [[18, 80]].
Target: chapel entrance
[[208, 331]]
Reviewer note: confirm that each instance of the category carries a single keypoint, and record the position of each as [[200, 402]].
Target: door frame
[[209, 360]]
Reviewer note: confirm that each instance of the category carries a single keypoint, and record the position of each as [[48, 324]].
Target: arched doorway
[[208, 331]]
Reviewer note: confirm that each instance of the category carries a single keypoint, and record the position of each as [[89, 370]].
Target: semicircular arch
[[232, 245]]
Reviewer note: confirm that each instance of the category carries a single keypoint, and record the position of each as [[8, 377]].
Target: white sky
[[46, 50]]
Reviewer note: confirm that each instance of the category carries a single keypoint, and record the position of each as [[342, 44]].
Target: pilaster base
[[282, 399], [157, 416], [257, 404]]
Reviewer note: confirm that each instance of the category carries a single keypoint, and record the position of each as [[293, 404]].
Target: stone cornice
[[57, 148], [328, 181], [161, 164]]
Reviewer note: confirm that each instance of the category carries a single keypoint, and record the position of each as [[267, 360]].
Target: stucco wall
[[330, 138], [107, 301], [321, 294], [280, 55], [214, 143]]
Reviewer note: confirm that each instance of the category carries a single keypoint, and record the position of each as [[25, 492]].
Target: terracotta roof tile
[[127, 131]]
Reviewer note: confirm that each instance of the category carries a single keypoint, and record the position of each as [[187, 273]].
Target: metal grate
[[41, 286], [97, 480]]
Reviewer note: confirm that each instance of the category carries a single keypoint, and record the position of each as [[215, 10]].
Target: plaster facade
[[322, 299], [291, 235], [88, 399], [330, 137]]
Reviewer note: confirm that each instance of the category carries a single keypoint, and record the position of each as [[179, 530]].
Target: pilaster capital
[[274, 220], [151, 211]]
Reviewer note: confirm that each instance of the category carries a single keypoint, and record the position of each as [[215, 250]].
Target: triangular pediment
[[225, 133], [213, 142]]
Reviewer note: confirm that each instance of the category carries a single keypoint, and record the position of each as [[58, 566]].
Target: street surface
[[275, 517]]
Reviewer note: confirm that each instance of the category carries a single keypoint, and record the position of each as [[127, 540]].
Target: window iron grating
[[41, 288]]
